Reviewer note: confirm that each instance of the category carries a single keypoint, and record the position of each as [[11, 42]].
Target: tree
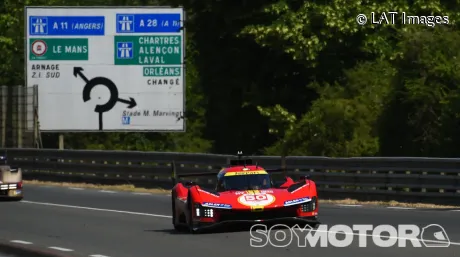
[[422, 114]]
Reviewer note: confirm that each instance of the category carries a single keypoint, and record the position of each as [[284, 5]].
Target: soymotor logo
[[432, 235]]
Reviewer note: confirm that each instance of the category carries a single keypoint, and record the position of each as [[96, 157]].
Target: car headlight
[[207, 212], [197, 210], [310, 206], [203, 212]]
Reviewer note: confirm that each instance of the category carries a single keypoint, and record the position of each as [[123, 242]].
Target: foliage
[[424, 105], [292, 77]]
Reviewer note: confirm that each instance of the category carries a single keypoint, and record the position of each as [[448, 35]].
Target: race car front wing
[[212, 218]]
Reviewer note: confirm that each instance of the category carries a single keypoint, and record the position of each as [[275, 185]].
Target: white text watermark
[[408, 235], [403, 18]]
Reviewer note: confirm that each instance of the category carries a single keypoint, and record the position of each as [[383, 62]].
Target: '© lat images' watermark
[[403, 18]]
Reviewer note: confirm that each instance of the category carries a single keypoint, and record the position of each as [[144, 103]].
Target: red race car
[[244, 193]]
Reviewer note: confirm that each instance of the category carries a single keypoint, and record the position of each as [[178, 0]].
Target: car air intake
[[228, 215]]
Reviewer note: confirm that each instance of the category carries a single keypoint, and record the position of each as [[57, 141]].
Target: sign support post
[[61, 141]]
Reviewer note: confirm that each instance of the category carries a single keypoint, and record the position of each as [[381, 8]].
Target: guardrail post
[[283, 165], [61, 141], [174, 175], [3, 101]]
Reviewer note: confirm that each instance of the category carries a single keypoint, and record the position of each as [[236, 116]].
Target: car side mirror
[[305, 177], [190, 183], [277, 183]]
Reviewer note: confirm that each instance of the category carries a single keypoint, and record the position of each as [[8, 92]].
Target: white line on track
[[97, 209], [76, 188], [401, 208], [142, 194], [350, 205], [166, 216], [60, 249], [98, 255], [383, 237], [107, 191], [21, 242]]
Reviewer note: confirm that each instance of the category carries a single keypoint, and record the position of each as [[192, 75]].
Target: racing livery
[[244, 194], [10, 181]]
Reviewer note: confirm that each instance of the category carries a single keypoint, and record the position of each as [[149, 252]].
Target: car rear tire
[[178, 227], [173, 209]]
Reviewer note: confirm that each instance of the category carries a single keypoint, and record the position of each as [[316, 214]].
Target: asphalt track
[[7, 255], [121, 224]]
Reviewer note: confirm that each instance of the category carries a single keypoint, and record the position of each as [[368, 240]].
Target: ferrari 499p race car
[[244, 193]]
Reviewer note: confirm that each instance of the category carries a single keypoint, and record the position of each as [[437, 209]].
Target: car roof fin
[[240, 161]]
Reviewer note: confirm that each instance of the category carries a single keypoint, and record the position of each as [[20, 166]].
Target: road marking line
[[21, 242], [401, 208], [350, 205], [106, 191], [60, 249], [98, 255], [76, 188], [97, 209], [142, 194], [380, 236], [165, 216]]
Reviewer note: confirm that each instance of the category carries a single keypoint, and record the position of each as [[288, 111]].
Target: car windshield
[[246, 182]]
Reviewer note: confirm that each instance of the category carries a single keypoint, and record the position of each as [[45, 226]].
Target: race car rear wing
[[235, 162], [212, 172], [175, 177]]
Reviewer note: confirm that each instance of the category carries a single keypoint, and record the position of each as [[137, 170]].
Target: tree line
[[295, 77]]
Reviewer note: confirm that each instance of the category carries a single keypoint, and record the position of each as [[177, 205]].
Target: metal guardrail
[[434, 180]]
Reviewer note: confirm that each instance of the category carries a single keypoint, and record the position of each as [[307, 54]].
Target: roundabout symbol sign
[[114, 96]]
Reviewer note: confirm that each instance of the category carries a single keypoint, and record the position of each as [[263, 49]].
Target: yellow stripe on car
[[242, 173]]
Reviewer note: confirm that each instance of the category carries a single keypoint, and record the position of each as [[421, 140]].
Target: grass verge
[[131, 188], [390, 204], [127, 188]]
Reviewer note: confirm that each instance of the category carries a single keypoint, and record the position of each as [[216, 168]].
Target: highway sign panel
[[52, 25], [107, 68], [148, 23], [151, 50]]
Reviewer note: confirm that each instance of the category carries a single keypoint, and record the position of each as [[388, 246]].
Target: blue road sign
[[126, 120], [66, 25], [125, 50], [148, 23]]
